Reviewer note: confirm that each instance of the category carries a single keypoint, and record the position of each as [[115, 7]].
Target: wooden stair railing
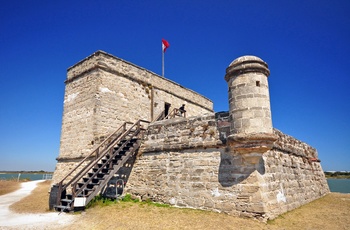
[[105, 145], [176, 112], [110, 156], [160, 117]]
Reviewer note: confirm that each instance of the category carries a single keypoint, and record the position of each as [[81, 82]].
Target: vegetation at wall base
[[128, 198], [104, 201], [100, 201]]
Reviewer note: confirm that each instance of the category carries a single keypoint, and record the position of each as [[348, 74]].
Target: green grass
[[103, 201], [128, 198]]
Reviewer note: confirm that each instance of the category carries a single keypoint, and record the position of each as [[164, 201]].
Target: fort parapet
[[233, 162]]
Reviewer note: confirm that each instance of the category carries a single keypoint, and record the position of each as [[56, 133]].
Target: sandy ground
[[10, 220]]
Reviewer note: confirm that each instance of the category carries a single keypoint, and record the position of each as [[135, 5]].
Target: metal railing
[[47, 176]]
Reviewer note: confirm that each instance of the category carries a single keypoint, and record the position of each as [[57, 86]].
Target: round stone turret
[[249, 103]]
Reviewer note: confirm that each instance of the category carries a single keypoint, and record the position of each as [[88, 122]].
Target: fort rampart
[[185, 163]]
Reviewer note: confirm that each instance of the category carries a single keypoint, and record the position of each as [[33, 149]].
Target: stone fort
[[123, 132]]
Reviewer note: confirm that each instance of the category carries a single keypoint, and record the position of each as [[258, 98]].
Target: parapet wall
[[120, 67], [183, 162], [292, 146], [181, 133]]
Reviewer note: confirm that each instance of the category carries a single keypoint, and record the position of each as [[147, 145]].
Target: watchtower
[[249, 105]]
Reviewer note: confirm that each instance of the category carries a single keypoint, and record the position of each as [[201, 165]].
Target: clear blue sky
[[305, 43]]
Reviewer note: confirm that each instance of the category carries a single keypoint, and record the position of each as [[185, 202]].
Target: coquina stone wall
[[117, 66], [79, 116], [293, 174], [185, 163], [102, 92]]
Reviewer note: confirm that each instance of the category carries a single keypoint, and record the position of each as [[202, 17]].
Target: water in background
[[21, 176], [339, 185]]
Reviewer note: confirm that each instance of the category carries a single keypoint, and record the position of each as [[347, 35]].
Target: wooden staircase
[[93, 173]]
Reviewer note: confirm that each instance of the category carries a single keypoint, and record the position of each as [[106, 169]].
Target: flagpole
[[162, 63], [165, 45]]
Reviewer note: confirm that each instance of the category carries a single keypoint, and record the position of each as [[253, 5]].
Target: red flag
[[165, 45]]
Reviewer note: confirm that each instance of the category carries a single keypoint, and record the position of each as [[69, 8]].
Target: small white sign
[[79, 201]]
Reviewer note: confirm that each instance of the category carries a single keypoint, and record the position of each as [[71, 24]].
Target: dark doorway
[[166, 109]]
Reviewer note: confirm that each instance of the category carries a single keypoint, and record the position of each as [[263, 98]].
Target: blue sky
[[305, 43]]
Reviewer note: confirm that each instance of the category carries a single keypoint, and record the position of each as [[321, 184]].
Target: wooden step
[[94, 180], [62, 208], [104, 170], [98, 175], [89, 185]]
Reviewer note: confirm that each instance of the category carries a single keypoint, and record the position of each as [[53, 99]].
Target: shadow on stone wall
[[117, 183], [235, 168], [223, 125]]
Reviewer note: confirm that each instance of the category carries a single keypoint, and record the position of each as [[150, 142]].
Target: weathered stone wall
[[79, 116], [181, 133], [184, 163], [117, 66], [120, 100], [160, 97], [293, 174], [102, 92], [292, 146]]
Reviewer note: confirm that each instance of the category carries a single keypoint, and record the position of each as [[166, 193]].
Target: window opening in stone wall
[[257, 83]]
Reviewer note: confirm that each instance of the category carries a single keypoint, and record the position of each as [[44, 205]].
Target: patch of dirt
[[142, 216], [329, 212], [40, 220], [36, 202]]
